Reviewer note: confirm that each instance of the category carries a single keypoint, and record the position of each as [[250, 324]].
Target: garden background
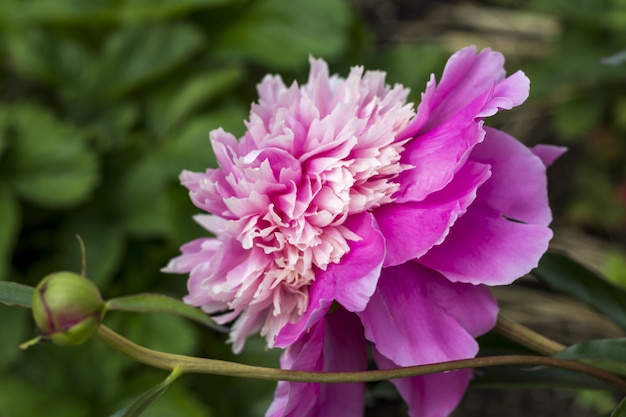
[[103, 103]]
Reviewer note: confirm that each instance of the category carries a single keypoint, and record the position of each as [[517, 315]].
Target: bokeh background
[[104, 102]]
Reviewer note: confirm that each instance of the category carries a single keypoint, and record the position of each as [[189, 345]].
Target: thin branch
[[189, 364], [527, 337], [83, 256]]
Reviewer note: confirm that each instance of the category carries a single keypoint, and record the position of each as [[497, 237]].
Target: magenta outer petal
[[417, 317], [505, 232], [409, 326], [335, 345], [434, 395], [448, 121], [473, 306], [357, 274], [297, 398], [548, 153], [518, 187], [350, 282], [436, 155], [321, 295], [411, 229], [466, 77], [345, 350]]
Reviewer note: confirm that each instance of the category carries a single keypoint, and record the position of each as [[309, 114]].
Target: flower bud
[[67, 308]]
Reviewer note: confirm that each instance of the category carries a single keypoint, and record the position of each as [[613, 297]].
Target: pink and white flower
[[340, 195]]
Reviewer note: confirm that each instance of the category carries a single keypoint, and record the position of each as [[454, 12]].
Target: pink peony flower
[[341, 217]]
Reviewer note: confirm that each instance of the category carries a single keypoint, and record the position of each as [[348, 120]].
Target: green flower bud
[[67, 308]]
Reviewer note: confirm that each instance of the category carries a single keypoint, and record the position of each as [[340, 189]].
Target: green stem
[[527, 337], [189, 364]]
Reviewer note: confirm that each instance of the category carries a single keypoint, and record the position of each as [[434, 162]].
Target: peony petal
[[447, 125], [337, 345], [351, 282], [297, 398], [473, 306], [518, 187], [345, 350], [548, 153], [434, 395], [356, 275], [407, 324], [507, 94], [486, 248], [505, 232], [468, 80], [435, 157], [411, 229], [337, 193], [194, 253], [417, 317], [321, 295], [297, 189]]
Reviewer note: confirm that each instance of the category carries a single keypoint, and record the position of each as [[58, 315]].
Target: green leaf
[[150, 303], [112, 128], [49, 163], [534, 377], [398, 62], [56, 11], [179, 400], [4, 118], [15, 328], [51, 59], [142, 196], [27, 55], [615, 267], [601, 402], [147, 207], [171, 106], [224, 393], [141, 10], [83, 13], [609, 354], [91, 373], [494, 344], [575, 119], [9, 208], [10, 225], [618, 114], [20, 398], [104, 244], [137, 55], [620, 411], [137, 407], [12, 293], [568, 276], [190, 147], [283, 37], [158, 331]]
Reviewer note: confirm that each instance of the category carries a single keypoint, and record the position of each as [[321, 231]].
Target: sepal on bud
[[67, 308]]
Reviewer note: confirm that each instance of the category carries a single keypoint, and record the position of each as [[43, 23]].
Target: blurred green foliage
[[104, 102], [102, 105], [582, 83]]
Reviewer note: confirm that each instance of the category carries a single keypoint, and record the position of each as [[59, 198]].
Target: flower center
[[302, 228], [312, 156]]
